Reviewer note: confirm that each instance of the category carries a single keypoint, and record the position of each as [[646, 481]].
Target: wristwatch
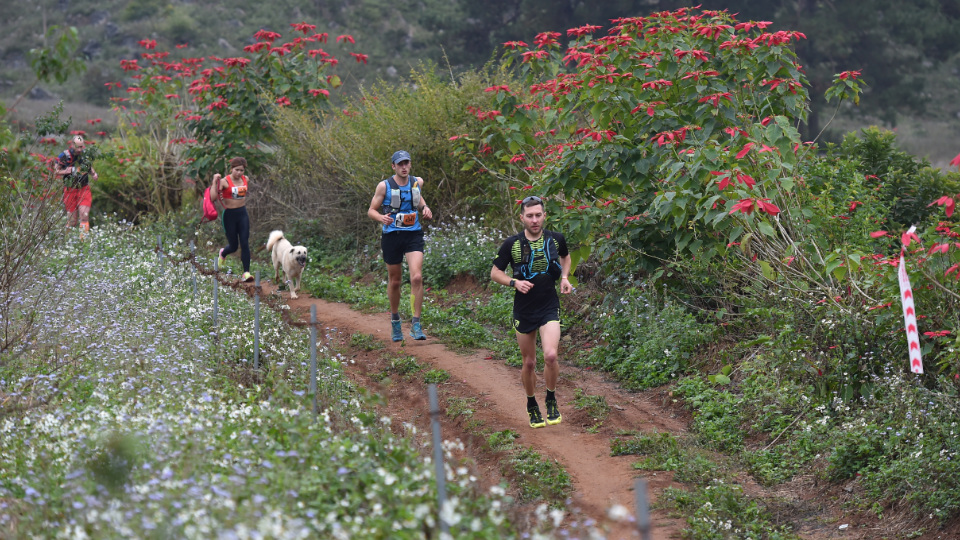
[[512, 283]]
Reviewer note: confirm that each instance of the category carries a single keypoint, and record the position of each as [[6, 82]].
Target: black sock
[[531, 401], [550, 395], [415, 320], [394, 316]]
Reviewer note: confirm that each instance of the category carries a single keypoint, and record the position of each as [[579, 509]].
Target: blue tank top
[[406, 218]]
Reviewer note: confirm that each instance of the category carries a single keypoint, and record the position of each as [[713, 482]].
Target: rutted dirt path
[[600, 481]]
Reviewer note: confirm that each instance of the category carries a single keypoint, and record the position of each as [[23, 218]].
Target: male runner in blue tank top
[[397, 205], [539, 259]]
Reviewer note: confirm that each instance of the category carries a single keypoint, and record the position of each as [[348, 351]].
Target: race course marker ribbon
[[909, 311]]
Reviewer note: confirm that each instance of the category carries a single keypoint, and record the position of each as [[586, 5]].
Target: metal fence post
[[256, 323], [438, 456], [159, 248], [643, 508], [313, 357]]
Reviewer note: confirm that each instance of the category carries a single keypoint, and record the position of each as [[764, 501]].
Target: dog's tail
[[275, 237]]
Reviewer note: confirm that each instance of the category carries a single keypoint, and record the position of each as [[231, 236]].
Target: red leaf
[[745, 151]]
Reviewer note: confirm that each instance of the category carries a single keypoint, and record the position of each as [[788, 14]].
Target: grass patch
[[502, 440], [595, 406], [365, 342], [436, 376], [457, 407], [538, 478], [405, 365]]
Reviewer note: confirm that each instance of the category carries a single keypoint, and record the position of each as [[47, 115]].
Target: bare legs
[[550, 341], [395, 272]]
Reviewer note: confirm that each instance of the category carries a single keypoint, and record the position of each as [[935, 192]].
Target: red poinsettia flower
[[947, 202], [744, 205]]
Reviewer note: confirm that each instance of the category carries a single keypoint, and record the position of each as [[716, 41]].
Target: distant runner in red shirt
[[76, 172]]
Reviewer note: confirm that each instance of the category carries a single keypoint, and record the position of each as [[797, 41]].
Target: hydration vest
[[74, 180], [394, 204], [527, 255], [394, 195]]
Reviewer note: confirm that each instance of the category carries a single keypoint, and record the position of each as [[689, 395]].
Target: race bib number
[[405, 221], [239, 192]]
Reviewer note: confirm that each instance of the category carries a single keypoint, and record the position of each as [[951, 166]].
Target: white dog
[[292, 258]]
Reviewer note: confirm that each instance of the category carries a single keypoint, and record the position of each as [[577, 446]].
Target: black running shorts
[[524, 324], [398, 243]]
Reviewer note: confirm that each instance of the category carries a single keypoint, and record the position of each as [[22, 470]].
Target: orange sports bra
[[234, 192]]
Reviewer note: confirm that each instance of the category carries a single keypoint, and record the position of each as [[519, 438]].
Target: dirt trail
[[600, 481]]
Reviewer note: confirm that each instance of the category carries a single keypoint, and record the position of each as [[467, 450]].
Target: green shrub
[[717, 414], [645, 344], [905, 182], [465, 246]]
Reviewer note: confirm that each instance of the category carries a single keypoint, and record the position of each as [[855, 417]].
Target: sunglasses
[[531, 198]]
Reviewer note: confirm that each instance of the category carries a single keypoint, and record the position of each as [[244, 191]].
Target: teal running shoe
[[397, 331], [417, 332]]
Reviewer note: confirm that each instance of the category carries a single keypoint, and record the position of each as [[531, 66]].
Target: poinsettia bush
[[185, 117], [671, 143], [672, 120]]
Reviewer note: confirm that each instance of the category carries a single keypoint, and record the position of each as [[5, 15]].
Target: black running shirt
[[543, 295]]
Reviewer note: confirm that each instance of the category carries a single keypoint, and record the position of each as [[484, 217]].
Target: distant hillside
[[907, 51]]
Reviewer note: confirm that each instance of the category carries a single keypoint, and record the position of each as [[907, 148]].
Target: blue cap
[[399, 156]]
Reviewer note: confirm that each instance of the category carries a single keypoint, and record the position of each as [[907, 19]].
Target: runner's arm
[[565, 286], [376, 203], [60, 170], [215, 191]]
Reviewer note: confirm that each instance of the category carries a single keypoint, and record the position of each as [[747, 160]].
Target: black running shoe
[[536, 419], [553, 412]]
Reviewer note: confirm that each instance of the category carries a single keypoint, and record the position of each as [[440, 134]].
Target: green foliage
[[59, 62], [717, 415], [904, 445], [436, 376], [457, 407], [645, 344], [73, 454], [903, 182], [502, 440], [199, 123], [141, 9], [656, 141], [405, 365], [366, 342], [465, 247], [722, 511], [538, 478], [115, 460], [595, 406]]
